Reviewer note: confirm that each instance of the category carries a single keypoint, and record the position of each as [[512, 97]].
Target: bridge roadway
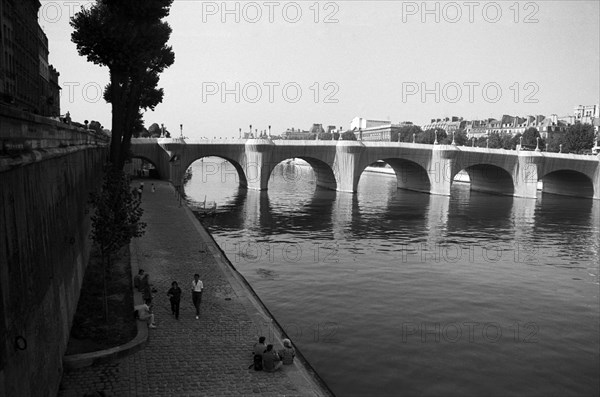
[[338, 165]]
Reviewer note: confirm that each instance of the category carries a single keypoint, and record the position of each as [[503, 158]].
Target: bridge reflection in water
[[467, 294]]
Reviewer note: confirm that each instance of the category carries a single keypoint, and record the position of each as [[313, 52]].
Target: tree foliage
[[429, 136], [154, 130], [325, 136], [96, 126], [348, 136], [130, 38], [405, 133], [461, 137], [116, 218], [578, 138]]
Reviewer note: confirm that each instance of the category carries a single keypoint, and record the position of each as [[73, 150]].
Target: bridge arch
[[566, 182], [488, 178], [409, 174], [324, 174], [131, 169], [220, 168]]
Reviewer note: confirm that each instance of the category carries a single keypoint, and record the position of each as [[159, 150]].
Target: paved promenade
[[189, 357]]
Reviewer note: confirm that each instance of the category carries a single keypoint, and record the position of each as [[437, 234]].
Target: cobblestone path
[[190, 357]]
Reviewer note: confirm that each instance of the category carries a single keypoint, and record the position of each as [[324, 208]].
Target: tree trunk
[[131, 108], [105, 282]]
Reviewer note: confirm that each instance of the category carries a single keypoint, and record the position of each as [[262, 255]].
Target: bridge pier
[[256, 163], [525, 174], [441, 165], [346, 166]]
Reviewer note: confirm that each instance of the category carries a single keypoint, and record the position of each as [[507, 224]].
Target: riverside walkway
[[190, 357]]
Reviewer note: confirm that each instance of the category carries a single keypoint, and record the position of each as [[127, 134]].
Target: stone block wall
[[44, 248]]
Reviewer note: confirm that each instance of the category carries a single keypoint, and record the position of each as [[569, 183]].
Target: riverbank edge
[[238, 281], [75, 361]]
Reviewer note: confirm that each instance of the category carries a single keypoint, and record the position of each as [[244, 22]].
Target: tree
[[495, 140], [405, 133], [138, 127], [429, 136], [460, 137], [129, 37], [348, 136], [96, 126], [530, 139], [325, 136], [116, 219], [482, 141], [578, 138], [507, 141], [154, 130], [554, 141], [143, 133]]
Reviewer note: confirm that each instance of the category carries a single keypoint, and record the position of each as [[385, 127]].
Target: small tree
[[530, 138], [429, 136], [579, 137], [154, 130], [325, 136], [116, 219], [348, 136], [406, 133]]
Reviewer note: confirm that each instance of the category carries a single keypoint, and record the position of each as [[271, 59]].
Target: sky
[[291, 64]]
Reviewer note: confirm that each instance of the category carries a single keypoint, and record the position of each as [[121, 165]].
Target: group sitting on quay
[[269, 360]]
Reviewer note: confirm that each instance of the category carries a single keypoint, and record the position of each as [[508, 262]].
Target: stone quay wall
[[47, 171]]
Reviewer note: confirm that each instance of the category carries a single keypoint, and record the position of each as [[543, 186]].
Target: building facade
[[363, 123], [381, 133], [448, 124], [27, 81], [293, 133]]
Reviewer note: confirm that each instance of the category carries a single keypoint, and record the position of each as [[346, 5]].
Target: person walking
[[174, 295], [153, 188], [197, 288]]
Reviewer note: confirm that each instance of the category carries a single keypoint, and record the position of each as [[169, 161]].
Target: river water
[[389, 292]]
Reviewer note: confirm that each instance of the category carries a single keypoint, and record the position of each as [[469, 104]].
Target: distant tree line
[[579, 138]]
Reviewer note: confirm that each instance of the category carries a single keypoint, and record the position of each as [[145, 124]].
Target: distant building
[[316, 129], [381, 132], [586, 114], [360, 122], [447, 124], [553, 125], [477, 128], [505, 125], [295, 134], [27, 81]]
